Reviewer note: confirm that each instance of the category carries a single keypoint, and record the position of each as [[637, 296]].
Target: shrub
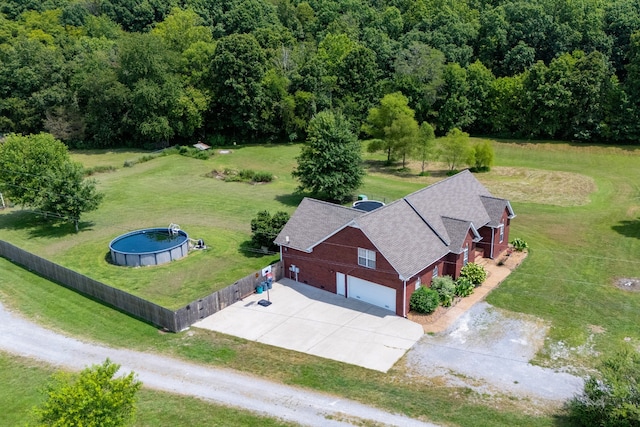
[[217, 140], [446, 289], [519, 244], [474, 272], [464, 287], [99, 169], [482, 157], [424, 300], [97, 396], [265, 228], [146, 158], [231, 175], [611, 398], [262, 177], [202, 154], [246, 174]]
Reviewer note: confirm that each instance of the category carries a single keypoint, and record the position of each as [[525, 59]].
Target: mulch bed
[[426, 319], [510, 259]]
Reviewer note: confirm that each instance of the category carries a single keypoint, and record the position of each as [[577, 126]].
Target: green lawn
[[23, 381], [577, 208]]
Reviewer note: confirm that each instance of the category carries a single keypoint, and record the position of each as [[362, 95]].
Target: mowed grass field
[[577, 207]]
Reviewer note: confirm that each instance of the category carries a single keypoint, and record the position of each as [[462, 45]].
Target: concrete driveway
[[313, 321]]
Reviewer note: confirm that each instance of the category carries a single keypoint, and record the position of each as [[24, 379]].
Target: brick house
[[383, 256]]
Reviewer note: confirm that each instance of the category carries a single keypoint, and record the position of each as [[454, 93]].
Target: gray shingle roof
[[313, 221], [411, 233], [455, 197], [402, 237], [457, 229], [494, 207]]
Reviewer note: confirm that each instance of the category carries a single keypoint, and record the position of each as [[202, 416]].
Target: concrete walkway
[[317, 322]]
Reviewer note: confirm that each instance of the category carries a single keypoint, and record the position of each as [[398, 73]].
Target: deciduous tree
[[36, 172], [23, 163], [238, 68], [330, 164], [425, 146], [387, 123], [455, 149]]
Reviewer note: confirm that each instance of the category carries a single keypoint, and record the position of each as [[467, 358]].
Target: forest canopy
[[148, 73]]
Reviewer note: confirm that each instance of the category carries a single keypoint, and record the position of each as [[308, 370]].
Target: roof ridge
[[492, 197], [311, 199], [455, 219], [413, 208], [461, 173]]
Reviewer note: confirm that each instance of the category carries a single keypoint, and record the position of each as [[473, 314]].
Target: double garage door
[[371, 293]]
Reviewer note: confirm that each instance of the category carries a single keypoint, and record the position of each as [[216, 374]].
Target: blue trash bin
[[259, 289]]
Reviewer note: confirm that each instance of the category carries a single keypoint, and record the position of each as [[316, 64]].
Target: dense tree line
[[101, 73]]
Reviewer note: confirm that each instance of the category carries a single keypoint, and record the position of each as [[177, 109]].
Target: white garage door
[[372, 293]]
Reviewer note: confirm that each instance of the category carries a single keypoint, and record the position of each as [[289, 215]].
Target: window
[[501, 231], [418, 283], [366, 258], [435, 272], [465, 256]]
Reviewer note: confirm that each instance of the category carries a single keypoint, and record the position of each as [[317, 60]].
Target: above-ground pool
[[151, 246], [367, 205]]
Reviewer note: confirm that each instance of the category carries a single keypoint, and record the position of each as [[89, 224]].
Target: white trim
[[477, 235], [368, 256], [511, 212], [341, 284]]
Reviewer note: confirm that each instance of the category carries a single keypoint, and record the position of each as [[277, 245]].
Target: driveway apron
[[310, 320]]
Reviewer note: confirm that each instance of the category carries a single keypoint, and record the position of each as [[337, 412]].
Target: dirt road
[[27, 339]]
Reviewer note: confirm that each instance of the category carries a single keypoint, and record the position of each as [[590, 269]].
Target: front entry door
[[340, 284]]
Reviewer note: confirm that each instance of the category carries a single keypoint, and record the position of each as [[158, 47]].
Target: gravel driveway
[[226, 387], [489, 349]]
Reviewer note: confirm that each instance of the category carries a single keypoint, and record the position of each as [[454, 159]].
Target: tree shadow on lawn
[[292, 199], [247, 250], [39, 226], [396, 169], [628, 228]]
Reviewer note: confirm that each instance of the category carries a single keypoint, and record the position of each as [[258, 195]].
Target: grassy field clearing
[[578, 211]]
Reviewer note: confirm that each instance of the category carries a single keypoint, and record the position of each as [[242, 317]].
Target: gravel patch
[[488, 350]]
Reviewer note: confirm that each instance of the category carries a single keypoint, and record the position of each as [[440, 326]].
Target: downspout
[[404, 298], [281, 264], [493, 235]]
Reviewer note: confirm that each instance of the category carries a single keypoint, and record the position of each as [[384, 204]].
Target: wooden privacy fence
[[173, 321]]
